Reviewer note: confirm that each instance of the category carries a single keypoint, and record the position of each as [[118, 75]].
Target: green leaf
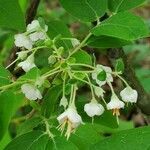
[[106, 42], [6, 139], [11, 15], [37, 140], [50, 99], [4, 76], [123, 25], [56, 28], [85, 10], [133, 139], [119, 67], [34, 73], [122, 5], [144, 77], [101, 76], [28, 125], [9, 102], [82, 57], [86, 135]]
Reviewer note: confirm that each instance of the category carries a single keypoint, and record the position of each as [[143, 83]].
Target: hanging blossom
[[22, 40], [31, 92], [115, 104], [28, 64], [98, 70], [99, 92], [36, 31], [93, 108], [63, 102], [129, 95], [71, 119]]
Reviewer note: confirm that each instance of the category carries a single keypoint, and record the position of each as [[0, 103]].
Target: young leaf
[[119, 67], [11, 15], [137, 139], [106, 42], [85, 10], [123, 25], [122, 5], [82, 57]]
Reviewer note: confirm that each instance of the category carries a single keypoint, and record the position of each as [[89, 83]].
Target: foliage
[[57, 95]]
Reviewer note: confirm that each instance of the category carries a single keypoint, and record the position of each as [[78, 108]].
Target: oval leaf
[[85, 10], [123, 25]]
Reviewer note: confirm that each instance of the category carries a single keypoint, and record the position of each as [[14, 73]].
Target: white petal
[[115, 103], [31, 92], [129, 95], [37, 36], [93, 109], [99, 92], [33, 26], [100, 68], [28, 64], [74, 117], [21, 40], [62, 117], [63, 102]]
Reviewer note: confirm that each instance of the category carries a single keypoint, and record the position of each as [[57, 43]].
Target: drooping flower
[[36, 31], [93, 108], [63, 102], [71, 119], [31, 92], [129, 95], [21, 40], [115, 104], [28, 64], [98, 70], [99, 92]]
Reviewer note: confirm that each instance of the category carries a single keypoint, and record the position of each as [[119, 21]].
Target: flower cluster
[[27, 41], [65, 67]]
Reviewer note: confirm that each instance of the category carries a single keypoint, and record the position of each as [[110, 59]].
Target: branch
[[31, 11], [129, 74], [30, 14]]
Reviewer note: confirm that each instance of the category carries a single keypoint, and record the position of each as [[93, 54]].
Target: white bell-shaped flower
[[115, 104], [71, 119], [129, 95], [36, 31], [28, 64], [98, 70], [37, 36], [93, 108], [63, 102], [21, 40], [99, 92], [31, 92]]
